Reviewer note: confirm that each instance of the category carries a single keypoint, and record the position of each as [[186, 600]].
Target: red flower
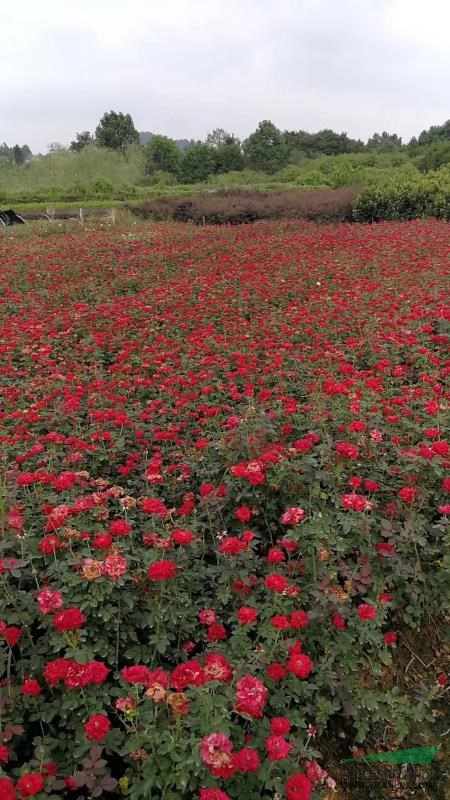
[[298, 787], [390, 637], [247, 760], [277, 748], [189, 674], [120, 527], [293, 516], [280, 726], [97, 727], [246, 615], [7, 790], [278, 583], [299, 619], [213, 794], [365, 612], [276, 672], [442, 680], [347, 450], [68, 620], [102, 541], [49, 544], [280, 621], [251, 696], [275, 556], [12, 635], [138, 673], [217, 668], [31, 687], [152, 505], [299, 664], [338, 622], [216, 633], [30, 784], [243, 514], [162, 570], [407, 494]]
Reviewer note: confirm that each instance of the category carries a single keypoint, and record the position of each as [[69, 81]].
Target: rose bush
[[225, 489]]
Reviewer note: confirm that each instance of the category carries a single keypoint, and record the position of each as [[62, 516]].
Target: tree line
[[267, 149]]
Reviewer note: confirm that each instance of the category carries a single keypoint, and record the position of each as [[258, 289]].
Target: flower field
[[225, 489]]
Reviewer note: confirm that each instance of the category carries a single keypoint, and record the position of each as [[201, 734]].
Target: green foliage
[[82, 140], [426, 196], [116, 131], [266, 149], [433, 156], [384, 142], [162, 154], [198, 163]]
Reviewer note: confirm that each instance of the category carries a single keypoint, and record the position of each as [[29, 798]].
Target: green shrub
[[412, 198]]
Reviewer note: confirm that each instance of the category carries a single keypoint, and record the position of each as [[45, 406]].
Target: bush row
[[411, 199], [234, 207]]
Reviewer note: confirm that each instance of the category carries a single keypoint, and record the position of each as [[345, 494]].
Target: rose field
[[224, 497]]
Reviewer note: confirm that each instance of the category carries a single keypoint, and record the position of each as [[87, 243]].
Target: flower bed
[[225, 487]]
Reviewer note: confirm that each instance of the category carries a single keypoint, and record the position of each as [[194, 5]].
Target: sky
[[184, 67]]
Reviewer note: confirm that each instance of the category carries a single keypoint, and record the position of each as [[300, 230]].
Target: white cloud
[[182, 67]]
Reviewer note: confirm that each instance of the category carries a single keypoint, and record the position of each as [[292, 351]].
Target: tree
[[162, 153], [227, 150], [198, 163], [18, 155], [82, 140], [384, 142], [437, 133], [266, 149], [433, 156], [218, 137], [116, 131]]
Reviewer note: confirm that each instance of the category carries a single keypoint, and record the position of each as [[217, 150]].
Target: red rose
[[280, 726], [152, 505], [7, 790], [299, 619], [277, 748], [338, 622], [138, 673], [216, 633], [276, 672], [68, 620], [120, 527], [102, 541], [278, 583], [365, 612], [243, 514], [30, 784], [280, 622], [407, 494], [246, 615], [247, 760], [12, 635], [298, 787], [31, 687], [97, 727], [162, 570], [300, 665]]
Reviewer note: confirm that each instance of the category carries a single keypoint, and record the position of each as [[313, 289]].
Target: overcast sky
[[183, 67]]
